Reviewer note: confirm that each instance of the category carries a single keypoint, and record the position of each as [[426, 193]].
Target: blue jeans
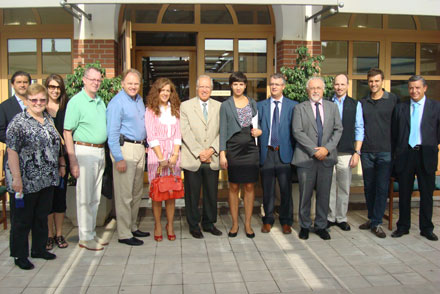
[[376, 169]]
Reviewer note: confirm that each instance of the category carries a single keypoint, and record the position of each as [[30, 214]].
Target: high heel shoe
[[233, 235], [158, 238], [170, 237]]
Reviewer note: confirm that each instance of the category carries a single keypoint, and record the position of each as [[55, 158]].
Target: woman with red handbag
[[164, 138]]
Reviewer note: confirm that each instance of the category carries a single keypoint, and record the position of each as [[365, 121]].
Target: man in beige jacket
[[199, 123]]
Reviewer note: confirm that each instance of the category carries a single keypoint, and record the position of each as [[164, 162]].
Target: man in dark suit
[[9, 108], [415, 139], [276, 151], [317, 129]]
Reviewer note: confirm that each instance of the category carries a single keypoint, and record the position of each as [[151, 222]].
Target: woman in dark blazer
[[238, 149]]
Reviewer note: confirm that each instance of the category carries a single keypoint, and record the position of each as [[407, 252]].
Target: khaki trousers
[[129, 188], [340, 190]]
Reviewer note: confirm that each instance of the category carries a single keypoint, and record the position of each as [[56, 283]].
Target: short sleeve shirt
[[38, 147], [86, 118]]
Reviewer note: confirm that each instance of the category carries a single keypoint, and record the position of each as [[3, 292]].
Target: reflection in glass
[[165, 39], [252, 56], [370, 21], [257, 89], [57, 56], [429, 59], [222, 90], [252, 14], [403, 58], [400, 88], [365, 56], [22, 55], [215, 14], [219, 55], [18, 16], [53, 15], [338, 20], [179, 13], [11, 89], [336, 57], [430, 23], [401, 22], [360, 89], [433, 91]]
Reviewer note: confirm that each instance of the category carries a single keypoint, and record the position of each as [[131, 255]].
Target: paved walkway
[[351, 262]]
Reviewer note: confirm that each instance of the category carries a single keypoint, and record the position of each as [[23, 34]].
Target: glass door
[[178, 66]]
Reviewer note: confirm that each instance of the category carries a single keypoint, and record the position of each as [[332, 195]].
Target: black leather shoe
[[23, 263], [330, 224], [140, 234], [323, 234], [132, 241], [251, 235], [233, 235], [399, 233], [196, 234], [304, 234], [344, 226], [214, 231], [429, 235], [44, 255]]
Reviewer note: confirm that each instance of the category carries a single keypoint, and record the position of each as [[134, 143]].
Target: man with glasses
[[200, 127], [85, 134], [276, 151], [317, 129]]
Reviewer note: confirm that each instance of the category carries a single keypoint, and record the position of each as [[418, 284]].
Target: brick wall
[[88, 51], [286, 55]]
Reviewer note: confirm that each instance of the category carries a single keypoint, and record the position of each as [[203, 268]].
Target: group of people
[[323, 138]]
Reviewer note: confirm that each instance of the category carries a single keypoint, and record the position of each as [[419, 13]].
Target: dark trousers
[[376, 170], [273, 169], [194, 181], [33, 216], [426, 183], [318, 177]]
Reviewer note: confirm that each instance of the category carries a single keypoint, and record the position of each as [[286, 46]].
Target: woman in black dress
[[238, 149]]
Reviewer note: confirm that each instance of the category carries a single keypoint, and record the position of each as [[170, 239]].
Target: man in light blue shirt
[[126, 139], [348, 152]]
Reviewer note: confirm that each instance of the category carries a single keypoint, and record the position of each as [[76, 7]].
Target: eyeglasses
[[53, 87], [98, 81], [42, 100]]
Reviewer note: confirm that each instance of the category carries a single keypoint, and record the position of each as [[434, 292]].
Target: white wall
[[104, 23]]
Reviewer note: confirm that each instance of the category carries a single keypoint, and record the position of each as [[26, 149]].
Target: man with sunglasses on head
[[85, 134]]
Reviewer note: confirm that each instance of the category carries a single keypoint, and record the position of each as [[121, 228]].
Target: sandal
[[49, 243], [61, 242]]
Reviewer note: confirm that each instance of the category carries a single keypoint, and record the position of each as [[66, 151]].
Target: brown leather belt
[[273, 148], [89, 144]]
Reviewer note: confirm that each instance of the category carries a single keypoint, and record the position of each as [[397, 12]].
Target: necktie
[[414, 135], [205, 111], [274, 140], [318, 124]]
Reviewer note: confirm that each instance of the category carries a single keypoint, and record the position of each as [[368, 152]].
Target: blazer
[[198, 134], [430, 134], [229, 124], [306, 134], [285, 130], [8, 109]]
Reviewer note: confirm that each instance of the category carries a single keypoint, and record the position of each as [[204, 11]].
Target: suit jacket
[[8, 109], [285, 130], [305, 133], [197, 134], [430, 134]]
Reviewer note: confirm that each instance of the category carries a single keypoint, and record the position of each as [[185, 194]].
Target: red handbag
[[166, 187]]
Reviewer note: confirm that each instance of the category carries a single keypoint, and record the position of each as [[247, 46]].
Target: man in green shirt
[[85, 134]]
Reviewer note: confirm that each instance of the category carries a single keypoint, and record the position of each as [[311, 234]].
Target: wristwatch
[[358, 152]]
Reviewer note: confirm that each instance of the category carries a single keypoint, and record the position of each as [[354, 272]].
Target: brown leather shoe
[[287, 229], [266, 228]]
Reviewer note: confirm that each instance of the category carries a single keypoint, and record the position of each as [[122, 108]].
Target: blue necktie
[[414, 134], [274, 140], [205, 111], [318, 124]]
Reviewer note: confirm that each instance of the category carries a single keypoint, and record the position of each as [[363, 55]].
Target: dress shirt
[[272, 107], [20, 102], [421, 106], [321, 109], [125, 116], [207, 105], [359, 122]]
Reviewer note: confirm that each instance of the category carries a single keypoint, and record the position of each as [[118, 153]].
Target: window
[[179, 13], [403, 58], [22, 55], [365, 56], [336, 57], [429, 59], [215, 14], [370, 21], [252, 55], [219, 55], [57, 57]]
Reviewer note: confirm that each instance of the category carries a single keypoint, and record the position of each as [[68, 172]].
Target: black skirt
[[242, 155]]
